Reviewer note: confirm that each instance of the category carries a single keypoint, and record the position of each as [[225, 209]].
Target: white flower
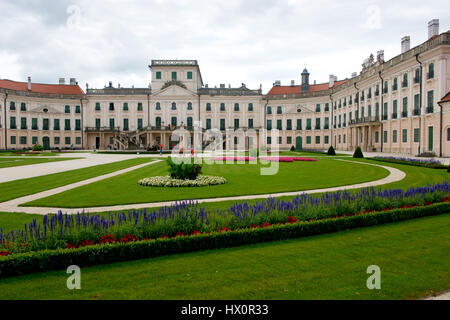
[[168, 182]]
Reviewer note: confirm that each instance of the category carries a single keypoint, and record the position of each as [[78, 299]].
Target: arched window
[[158, 106], [236, 107], [189, 107], [174, 106]]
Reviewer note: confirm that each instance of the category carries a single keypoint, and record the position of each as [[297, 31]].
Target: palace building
[[396, 106]]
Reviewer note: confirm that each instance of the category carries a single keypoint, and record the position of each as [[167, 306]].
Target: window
[[289, 124], [67, 109], [208, 106], [385, 87], [369, 113], [97, 106], [269, 140], [222, 106], [280, 140], [327, 105], [208, 124], [236, 107], [327, 139], [125, 106], [174, 75], [34, 124], [279, 110], [12, 106], [173, 122], [417, 104], [405, 135], [236, 140], [189, 122], [269, 124], [97, 123], [66, 124], [317, 139], [158, 121], [13, 139], [112, 124], [345, 137], [77, 109], [417, 76], [125, 125], [174, 106], [318, 123], [395, 85], [56, 124], [448, 134], [279, 124], [23, 140], [289, 140], [405, 80], [189, 75], [341, 139], [236, 123], [222, 124], [139, 124], [78, 124], [308, 124], [12, 123], [56, 140], [158, 106], [158, 75], [394, 136], [34, 140], [327, 122], [308, 140], [250, 123], [318, 107], [78, 140], [139, 107], [430, 98], [377, 111], [385, 111], [385, 137], [23, 123], [377, 136], [394, 110], [405, 107], [67, 140], [269, 110], [416, 135], [111, 106], [189, 106], [250, 107], [431, 71], [23, 106]]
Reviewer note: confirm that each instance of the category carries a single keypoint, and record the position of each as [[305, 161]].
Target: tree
[[331, 151], [358, 153]]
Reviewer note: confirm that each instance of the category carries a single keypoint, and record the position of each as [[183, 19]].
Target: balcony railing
[[416, 80], [385, 117], [102, 129], [363, 120], [394, 116], [394, 87], [404, 84], [404, 114], [430, 109], [430, 75], [417, 112]]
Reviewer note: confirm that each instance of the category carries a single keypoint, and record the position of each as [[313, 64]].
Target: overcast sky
[[235, 41]]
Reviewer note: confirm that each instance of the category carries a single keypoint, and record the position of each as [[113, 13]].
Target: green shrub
[[293, 148], [38, 147], [331, 151], [47, 260], [183, 171], [358, 153], [448, 169]]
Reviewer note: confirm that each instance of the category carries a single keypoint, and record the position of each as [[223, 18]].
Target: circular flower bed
[[168, 182]]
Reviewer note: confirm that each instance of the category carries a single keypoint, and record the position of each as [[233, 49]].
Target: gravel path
[[13, 205]]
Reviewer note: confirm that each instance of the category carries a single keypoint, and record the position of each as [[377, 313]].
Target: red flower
[[4, 253], [107, 239], [292, 220], [180, 234], [71, 246], [428, 203], [224, 230], [196, 233], [86, 243], [265, 225], [164, 237], [128, 238], [253, 226]]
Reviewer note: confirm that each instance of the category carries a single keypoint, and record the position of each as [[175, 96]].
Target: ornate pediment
[[174, 90]]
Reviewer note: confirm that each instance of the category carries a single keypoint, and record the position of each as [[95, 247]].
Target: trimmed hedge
[[49, 260], [410, 163]]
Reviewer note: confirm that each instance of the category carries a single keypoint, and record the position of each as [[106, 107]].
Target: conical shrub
[[331, 151], [358, 153]]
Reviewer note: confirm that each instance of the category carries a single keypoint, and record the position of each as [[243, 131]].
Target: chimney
[[73, 81], [62, 81], [292, 83], [222, 85], [433, 28], [277, 83], [406, 44], [29, 83], [331, 81]]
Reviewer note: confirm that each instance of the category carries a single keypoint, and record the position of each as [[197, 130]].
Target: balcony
[[326, 127], [404, 84], [394, 87], [416, 80], [394, 116], [363, 120], [377, 93], [308, 127], [430, 75], [416, 112], [102, 129], [385, 117], [430, 109], [404, 114], [317, 127], [385, 90]]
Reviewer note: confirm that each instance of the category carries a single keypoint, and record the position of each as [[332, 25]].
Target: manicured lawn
[[14, 162], [243, 179], [14, 189], [19, 154], [412, 256]]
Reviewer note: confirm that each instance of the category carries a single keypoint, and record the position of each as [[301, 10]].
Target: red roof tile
[[446, 98], [42, 88], [298, 89]]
